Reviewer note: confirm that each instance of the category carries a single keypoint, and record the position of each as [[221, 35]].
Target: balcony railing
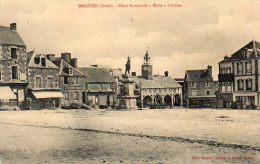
[[226, 77]]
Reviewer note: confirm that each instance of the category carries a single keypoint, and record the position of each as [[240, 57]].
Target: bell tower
[[147, 68]]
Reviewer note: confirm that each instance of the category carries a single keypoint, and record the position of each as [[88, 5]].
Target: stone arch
[[168, 100], [177, 100], [158, 100], [147, 101]]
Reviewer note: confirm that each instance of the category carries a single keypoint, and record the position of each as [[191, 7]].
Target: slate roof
[[198, 75], [157, 82], [253, 45], [10, 37], [97, 75], [33, 64]]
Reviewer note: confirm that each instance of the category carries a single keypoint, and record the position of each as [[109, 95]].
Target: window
[[94, 87], [228, 70], [248, 67], [240, 85], [228, 87], [239, 68], [50, 82], [36, 60], [223, 87], [106, 87], [70, 71], [193, 93], [76, 95], [66, 95], [208, 93], [43, 62], [207, 84], [76, 80], [65, 79], [193, 84], [13, 53], [14, 72], [38, 82], [249, 84]]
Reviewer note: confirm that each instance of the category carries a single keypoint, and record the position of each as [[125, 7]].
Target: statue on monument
[[128, 67]]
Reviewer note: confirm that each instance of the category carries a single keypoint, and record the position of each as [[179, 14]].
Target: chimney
[[166, 73], [74, 62], [50, 57], [66, 57], [133, 74], [13, 26], [209, 69]]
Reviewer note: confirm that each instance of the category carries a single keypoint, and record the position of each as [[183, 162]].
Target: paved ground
[[149, 136]]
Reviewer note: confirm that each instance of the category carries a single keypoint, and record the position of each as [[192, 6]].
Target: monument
[[127, 98]]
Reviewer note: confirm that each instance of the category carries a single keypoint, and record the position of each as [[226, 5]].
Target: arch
[[158, 100], [168, 100], [147, 101], [177, 99]]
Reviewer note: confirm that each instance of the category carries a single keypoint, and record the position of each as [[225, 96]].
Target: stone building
[[239, 77], [72, 80], [43, 78], [100, 87], [156, 91], [199, 88], [13, 67]]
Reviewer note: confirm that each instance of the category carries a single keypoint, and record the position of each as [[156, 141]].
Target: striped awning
[[6, 93], [47, 94]]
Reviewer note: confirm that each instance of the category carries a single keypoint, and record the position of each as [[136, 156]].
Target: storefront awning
[[47, 94], [6, 93]]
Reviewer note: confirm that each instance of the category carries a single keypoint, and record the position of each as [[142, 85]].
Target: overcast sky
[[193, 36]]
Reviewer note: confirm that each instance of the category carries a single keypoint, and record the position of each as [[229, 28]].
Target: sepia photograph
[[130, 81]]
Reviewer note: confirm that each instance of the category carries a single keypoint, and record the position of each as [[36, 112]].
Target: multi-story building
[[239, 77], [72, 80], [13, 67], [43, 78], [100, 87], [156, 91], [199, 88]]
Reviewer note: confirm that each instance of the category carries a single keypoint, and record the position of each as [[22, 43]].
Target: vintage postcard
[[129, 81]]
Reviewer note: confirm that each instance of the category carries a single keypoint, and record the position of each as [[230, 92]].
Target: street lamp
[[141, 101]]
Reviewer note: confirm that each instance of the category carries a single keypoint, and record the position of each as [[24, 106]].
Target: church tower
[[147, 68]]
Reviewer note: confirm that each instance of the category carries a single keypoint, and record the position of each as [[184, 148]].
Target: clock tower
[[147, 68]]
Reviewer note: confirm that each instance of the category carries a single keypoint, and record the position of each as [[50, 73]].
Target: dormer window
[[13, 53], [43, 61], [36, 60]]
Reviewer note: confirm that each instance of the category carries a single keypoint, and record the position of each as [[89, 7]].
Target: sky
[[191, 36]]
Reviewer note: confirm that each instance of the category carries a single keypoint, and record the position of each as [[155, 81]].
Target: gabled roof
[[198, 75], [10, 37], [32, 56], [64, 66], [157, 82], [253, 48], [97, 75]]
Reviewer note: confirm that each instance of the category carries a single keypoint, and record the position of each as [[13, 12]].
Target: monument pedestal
[[127, 100]]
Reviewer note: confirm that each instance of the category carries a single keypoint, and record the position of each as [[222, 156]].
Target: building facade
[[13, 67], [199, 88], [100, 87], [43, 78], [239, 78], [156, 91], [71, 79]]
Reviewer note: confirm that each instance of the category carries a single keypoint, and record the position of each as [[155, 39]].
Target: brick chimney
[[74, 62], [66, 57], [209, 69], [13, 26], [166, 73]]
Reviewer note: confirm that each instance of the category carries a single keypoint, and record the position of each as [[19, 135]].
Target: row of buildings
[[32, 80]]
